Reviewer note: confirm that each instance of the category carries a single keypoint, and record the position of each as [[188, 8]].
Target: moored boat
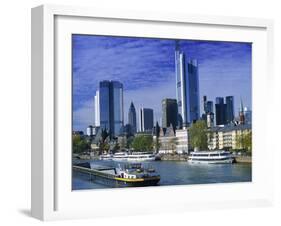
[[106, 157], [120, 156], [134, 174], [141, 156], [130, 175], [210, 157], [131, 157]]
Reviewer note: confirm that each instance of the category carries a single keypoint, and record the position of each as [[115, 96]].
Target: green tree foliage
[[156, 144], [129, 142], [104, 135], [79, 144], [103, 144], [198, 135], [143, 143], [244, 141]]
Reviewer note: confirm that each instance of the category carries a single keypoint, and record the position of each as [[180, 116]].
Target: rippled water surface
[[178, 173]]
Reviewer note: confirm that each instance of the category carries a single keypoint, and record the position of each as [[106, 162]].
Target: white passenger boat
[[210, 157], [120, 156], [141, 156], [132, 157], [106, 157]]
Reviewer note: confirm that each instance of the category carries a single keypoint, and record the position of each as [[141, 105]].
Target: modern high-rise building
[[111, 107], [187, 85], [132, 118], [248, 115], [97, 108], [220, 111], [169, 113], [229, 100], [205, 104], [209, 107], [146, 120]]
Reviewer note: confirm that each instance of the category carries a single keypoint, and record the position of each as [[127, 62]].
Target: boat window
[[200, 155], [214, 154], [224, 154]]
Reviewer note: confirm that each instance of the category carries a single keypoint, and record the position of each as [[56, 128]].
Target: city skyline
[[146, 67]]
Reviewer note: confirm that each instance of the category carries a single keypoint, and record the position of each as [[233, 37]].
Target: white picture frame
[[52, 197]]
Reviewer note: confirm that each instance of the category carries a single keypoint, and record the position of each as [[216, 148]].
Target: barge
[[130, 175]]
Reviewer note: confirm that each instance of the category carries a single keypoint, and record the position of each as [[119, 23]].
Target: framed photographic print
[[136, 113]]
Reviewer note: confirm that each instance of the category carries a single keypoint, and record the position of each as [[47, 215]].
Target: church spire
[[241, 106]]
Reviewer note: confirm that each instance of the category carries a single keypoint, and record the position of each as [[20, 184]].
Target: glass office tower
[[229, 100], [169, 113], [97, 108], [146, 120], [220, 111], [111, 107], [209, 107], [187, 85]]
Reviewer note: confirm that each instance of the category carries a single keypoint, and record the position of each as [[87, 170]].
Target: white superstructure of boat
[[132, 157], [106, 157], [141, 156], [210, 157], [120, 156]]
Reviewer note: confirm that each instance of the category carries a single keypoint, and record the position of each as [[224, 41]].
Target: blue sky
[[146, 68]]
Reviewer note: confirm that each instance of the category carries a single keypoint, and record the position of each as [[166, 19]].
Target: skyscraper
[[111, 106], [210, 107], [248, 115], [169, 113], [187, 88], [205, 104], [207, 108], [132, 118], [229, 100], [220, 111], [97, 109], [146, 120]]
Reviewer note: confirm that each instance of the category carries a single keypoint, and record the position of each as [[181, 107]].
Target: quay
[[242, 159]]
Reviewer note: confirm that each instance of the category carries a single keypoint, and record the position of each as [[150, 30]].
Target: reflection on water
[[178, 173]]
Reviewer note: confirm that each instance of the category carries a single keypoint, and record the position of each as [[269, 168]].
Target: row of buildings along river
[[177, 114]]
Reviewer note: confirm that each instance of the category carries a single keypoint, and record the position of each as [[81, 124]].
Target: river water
[[178, 173]]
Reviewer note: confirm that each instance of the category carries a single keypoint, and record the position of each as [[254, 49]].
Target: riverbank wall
[[243, 159], [173, 157]]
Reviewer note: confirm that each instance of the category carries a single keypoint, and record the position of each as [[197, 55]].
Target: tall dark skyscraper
[[187, 85], [146, 120], [209, 107], [229, 100], [111, 107], [205, 104], [169, 113], [132, 118], [220, 111]]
